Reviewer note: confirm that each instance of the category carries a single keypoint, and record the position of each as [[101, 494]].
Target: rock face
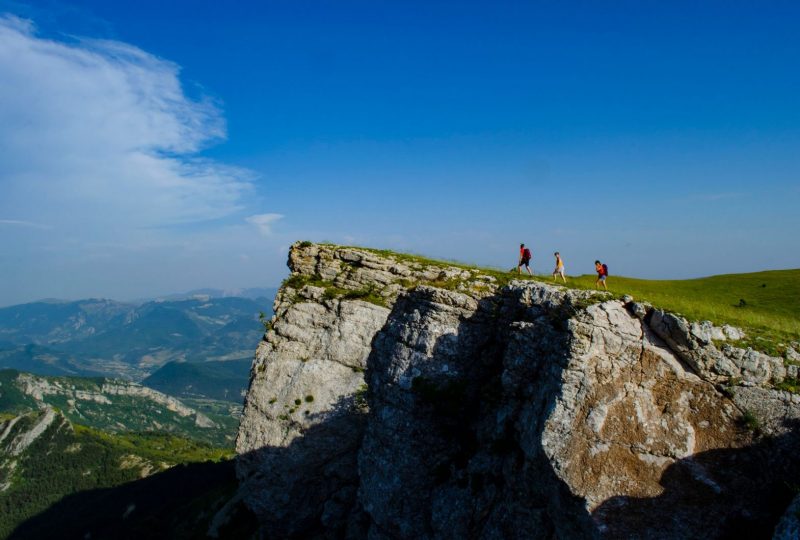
[[449, 406], [25, 438]]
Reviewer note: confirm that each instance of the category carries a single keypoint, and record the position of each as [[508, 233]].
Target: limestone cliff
[[394, 397]]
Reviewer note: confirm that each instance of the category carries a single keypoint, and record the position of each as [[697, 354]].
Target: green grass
[[750, 421], [790, 385], [771, 309], [157, 446], [360, 397], [770, 313]]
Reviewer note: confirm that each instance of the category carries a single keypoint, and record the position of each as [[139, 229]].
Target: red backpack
[[526, 253], [605, 269]]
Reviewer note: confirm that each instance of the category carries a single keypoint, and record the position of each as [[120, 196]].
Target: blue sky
[[154, 147]]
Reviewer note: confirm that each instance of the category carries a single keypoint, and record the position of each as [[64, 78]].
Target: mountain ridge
[[132, 341], [111, 405]]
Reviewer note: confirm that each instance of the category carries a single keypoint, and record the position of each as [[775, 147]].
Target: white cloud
[[102, 132], [263, 222], [99, 143]]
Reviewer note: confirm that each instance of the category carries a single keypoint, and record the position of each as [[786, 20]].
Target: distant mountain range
[[117, 339], [87, 451], [253, 293]]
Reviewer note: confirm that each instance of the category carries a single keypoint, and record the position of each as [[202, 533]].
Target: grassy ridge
[[770, 313], [771, 299]]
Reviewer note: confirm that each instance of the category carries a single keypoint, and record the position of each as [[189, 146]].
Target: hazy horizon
[[165, 294], [233, 292], [149, 148]]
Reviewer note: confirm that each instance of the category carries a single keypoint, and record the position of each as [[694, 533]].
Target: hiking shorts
[[602, 278], [525, 262]]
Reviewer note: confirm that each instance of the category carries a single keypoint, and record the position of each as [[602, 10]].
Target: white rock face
[[474, 411], [135, 390], [26, 438], [694, 344]]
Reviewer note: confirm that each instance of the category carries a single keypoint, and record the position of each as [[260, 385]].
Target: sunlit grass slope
[[765, 304]]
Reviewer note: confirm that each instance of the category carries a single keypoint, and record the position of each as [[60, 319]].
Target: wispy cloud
[[21, 223], [99, 140], [263, 222], [105, 131]]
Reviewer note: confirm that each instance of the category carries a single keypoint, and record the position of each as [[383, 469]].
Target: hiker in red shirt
[[524, 259], [602, 274]]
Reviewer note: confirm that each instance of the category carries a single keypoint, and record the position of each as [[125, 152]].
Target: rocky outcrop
[[301, 425], [694, 344], [169, 402], [26, 437], [394, 398]]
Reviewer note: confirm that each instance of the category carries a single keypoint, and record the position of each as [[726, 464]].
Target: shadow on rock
[[441, 455], [723, 493], [307, 489], [444, 457]]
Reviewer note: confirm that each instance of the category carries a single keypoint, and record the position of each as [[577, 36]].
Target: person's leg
[[528, 268], [603, 281], [563, 276]]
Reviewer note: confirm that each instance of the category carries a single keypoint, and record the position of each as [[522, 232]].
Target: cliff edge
[[395, 397]]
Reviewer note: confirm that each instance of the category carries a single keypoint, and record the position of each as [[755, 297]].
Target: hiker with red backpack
[[602, 274], [524, 259]]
